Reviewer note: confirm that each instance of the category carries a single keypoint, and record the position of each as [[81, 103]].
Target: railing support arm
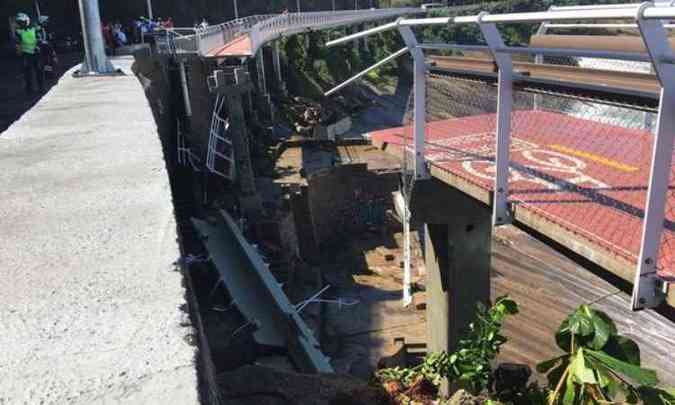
[[501, 207], [420, 100], [647, 288]]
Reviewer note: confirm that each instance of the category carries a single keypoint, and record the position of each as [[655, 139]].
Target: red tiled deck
[[579, 182], [240, 46]]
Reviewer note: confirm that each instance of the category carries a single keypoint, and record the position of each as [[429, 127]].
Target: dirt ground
[[13, 99]]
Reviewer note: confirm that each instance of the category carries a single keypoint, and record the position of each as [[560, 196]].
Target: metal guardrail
[[293, 23], [219, 35], [649, 285], [264, 28]]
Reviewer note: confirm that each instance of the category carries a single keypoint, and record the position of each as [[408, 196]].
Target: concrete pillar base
[[276, 61], [458, 235]]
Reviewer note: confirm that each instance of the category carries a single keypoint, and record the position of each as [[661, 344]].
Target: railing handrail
[[265, 27], [659, 11], [294, 22]]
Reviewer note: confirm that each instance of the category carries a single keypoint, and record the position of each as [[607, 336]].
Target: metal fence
[[293, 23], [579, 163], [265, 28], [596, 169], [220, 153]]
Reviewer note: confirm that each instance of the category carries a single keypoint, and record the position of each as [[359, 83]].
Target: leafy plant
[[470, 364], [599, 365]]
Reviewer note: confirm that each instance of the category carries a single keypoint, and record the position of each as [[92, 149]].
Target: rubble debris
[[267, 385], [420, 300], [395, 355], [421, 392]]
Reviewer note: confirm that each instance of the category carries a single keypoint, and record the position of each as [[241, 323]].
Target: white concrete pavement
[[90, 301]]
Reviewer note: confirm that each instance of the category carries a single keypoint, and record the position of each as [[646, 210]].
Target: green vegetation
[[470, 365], [314, 68], [599, 366]]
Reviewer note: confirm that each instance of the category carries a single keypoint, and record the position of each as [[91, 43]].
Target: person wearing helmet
[[26, 40]]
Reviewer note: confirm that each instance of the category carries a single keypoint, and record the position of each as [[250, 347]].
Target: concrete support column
[[457, 247], [458, 276], [248, 198], [276, 60], [260, 69]]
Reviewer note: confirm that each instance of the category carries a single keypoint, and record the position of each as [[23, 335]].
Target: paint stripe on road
[[595, 158]]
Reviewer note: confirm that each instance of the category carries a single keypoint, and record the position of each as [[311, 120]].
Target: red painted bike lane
[[588, 177]]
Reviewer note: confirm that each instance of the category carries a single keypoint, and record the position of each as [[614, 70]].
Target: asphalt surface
[[91, 304]]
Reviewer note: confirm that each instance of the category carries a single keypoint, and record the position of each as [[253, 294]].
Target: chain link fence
[[583, 165]]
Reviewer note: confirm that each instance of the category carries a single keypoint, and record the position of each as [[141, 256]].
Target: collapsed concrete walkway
[[91, 304]]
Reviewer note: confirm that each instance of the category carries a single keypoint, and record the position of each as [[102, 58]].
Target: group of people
[[138, 31], [114, 35], [33, 44]]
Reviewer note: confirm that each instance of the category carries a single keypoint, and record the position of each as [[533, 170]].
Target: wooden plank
[[548, 286]]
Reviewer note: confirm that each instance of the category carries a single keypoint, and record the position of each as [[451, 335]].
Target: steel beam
[[186, 90], [365, 71]]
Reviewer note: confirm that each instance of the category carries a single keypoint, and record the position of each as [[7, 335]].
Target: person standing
[[108, 36], [26, 41]]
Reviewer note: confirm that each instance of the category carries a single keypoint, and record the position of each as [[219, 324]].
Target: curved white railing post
[[647, 288], [501, 213]]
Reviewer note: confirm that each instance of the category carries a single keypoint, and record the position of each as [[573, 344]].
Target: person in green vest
[[26, 40]]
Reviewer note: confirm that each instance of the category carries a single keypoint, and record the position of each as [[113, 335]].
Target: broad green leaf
[[623, 349], [509, 305], [608, 381], [580, 322], [603, 330], [612, 326], [582, 374], [639, 375], [563, 337], [604, 379]]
